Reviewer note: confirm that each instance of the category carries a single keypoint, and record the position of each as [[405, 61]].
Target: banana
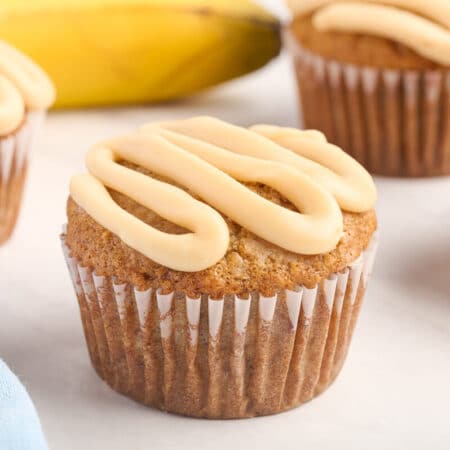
[[109, 52]]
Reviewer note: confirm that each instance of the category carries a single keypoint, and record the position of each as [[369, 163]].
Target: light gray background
[[394, 391]]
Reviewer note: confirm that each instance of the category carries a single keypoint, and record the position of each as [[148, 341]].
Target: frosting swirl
[[211, 159], [422, 25], [23, 86]]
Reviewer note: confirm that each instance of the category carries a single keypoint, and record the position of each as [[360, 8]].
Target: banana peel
[[110, 52]]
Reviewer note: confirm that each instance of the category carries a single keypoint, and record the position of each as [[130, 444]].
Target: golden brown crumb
[[358, 49], [250, 264]]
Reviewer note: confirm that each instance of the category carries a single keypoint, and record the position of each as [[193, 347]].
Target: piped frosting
[[24, 86], [422, 25], [212, 159]]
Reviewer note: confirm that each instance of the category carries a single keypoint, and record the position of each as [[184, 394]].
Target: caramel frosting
[[212, 159], [422, 25], [24, 86]]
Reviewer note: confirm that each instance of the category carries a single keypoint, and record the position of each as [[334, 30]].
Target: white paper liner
[[226, 358], [393, 122], [14, 150]]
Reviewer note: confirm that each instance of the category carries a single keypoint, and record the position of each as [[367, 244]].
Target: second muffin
[[206, 297], [374, 77], [26, 93]]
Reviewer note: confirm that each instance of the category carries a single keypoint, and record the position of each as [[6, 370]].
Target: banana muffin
[[25, 94], [220, 270], [374, 76]]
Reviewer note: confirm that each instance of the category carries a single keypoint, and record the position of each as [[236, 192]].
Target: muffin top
[[205, 207], [24, 86], [400, 34]]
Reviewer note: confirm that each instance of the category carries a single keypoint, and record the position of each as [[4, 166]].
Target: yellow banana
[[104, 52]]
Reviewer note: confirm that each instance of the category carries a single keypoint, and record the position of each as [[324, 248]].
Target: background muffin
[[26, 92], [374, 77], [259, 330]]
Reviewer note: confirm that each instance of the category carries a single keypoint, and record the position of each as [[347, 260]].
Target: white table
[[394, 392]]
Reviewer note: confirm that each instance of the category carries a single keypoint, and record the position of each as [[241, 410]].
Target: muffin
[[203, 290], [26, 93], [374, 76]]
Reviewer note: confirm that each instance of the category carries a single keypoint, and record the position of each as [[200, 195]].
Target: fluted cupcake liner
[[394, 122], [220, 358], [14, 150]]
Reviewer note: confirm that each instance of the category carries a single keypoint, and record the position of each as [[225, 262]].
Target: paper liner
[[393, 122], [227, 358], [14, 151]]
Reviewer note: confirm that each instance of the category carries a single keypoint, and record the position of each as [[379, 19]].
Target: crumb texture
[[250, 264], [359, 49]]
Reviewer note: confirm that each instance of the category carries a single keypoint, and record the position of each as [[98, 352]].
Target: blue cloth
[[19, 425]]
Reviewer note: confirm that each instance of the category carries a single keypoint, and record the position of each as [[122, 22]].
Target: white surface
[[394, 392]]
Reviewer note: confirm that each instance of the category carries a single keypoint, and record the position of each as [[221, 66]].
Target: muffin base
[[14, 151], [220, 359], [394, 122]]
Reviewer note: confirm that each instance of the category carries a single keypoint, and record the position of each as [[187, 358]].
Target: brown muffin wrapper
[[394, 122], [227, 358], [14, 150]]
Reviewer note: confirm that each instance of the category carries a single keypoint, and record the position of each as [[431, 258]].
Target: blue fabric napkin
[[20, 428]]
